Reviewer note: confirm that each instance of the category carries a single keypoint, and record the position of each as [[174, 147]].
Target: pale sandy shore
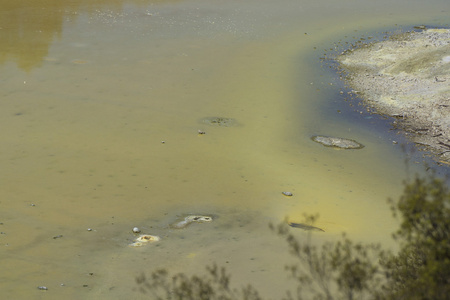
[[407, 77]]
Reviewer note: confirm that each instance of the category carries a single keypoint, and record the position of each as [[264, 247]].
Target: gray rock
[[337, 142]]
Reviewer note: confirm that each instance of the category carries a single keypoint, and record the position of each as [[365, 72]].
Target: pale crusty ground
[[407, 77]]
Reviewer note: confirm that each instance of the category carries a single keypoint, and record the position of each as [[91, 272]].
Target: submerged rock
[[144, 239], [337, 142], [190, 219], [219, 121], [304, 226]]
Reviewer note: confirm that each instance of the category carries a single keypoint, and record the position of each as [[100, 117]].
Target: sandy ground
[[407, 77]]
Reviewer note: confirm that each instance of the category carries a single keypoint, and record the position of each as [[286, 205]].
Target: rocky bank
[[407, 77]]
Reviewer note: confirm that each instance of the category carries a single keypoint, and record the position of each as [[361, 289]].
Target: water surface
[[101, 106]]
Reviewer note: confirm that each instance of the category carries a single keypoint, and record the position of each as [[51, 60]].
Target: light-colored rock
[[144, 239]]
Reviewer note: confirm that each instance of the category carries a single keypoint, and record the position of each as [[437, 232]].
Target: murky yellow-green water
[[100, 107]]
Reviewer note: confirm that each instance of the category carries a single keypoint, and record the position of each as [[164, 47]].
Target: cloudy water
[[101, 108]]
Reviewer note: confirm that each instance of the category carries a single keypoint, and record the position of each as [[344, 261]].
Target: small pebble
[[136, 230], [288, 194], [43, 288]]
